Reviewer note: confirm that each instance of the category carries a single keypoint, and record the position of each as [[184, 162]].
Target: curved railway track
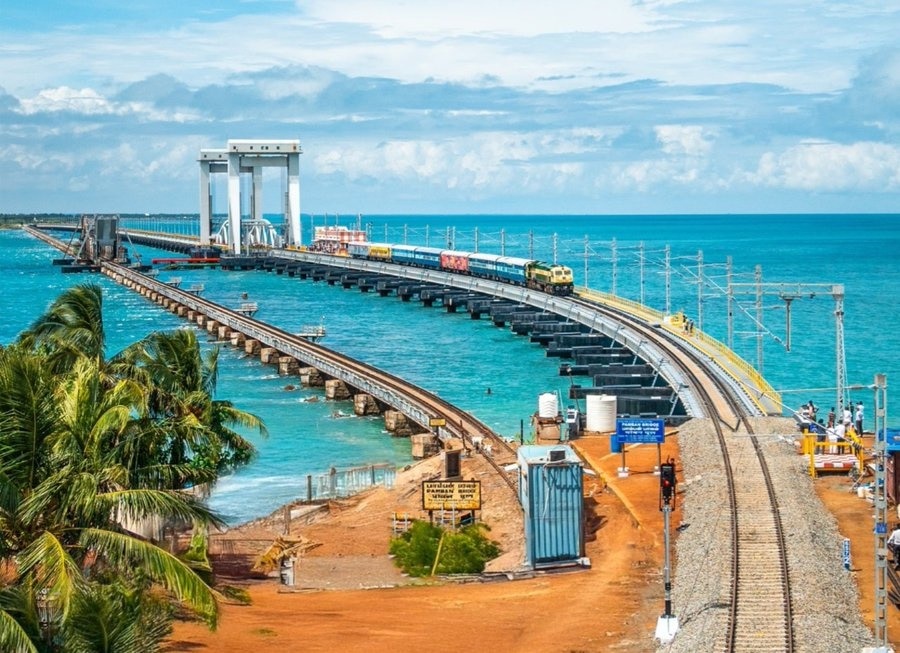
[[759, 614], [759, 617], [499, 453]]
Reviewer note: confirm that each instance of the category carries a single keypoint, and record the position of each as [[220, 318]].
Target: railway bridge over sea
[[588, 331], [707, 380]]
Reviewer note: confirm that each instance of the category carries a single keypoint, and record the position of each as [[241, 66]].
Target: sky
[[472, 106]]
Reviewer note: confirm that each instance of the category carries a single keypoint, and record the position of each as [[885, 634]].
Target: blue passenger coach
[[500, 268], [424, 257]]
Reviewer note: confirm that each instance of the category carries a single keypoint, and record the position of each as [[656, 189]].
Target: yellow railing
[[810, 445], [757, 387]]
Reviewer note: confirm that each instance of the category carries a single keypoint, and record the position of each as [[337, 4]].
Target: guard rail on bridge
[[593, 318], [373, 382]]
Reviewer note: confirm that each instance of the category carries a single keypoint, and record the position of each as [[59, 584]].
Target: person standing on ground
[[847, 417], [831, 417], [834, 436], [893, 544], [859, 419]]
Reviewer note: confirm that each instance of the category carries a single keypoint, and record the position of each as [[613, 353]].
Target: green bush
[[462, 552]]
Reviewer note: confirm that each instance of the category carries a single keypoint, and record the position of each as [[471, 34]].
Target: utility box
[[551, 491]]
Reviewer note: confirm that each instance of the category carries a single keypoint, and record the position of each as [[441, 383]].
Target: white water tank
[[601, 413], [548, 405]]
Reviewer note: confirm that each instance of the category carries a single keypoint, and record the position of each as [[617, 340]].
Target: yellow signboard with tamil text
[[451, 495]]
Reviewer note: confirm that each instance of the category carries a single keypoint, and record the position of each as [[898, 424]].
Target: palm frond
[[163, 567], [73, 323], [48, 562], [28, 414], [13, 637], [143, 503], [116, 618]]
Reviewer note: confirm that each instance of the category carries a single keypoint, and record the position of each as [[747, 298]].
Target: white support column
[[256, 212], [205, 204], [234, 201], [294, 232]]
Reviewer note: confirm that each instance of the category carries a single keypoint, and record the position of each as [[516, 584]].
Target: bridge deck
[[767, 399], [757, 394]]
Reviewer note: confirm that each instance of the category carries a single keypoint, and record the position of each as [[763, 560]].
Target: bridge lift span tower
[[250, 156]]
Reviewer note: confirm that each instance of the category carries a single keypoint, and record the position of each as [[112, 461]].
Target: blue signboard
[[845, 554], [640, 431]]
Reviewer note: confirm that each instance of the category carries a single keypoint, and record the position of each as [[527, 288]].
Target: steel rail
[[760, 614], [413, 401]]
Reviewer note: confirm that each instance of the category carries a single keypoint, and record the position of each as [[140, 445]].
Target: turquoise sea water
[[459, 358]]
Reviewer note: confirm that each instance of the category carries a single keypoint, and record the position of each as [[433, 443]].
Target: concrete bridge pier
[[238, 339], [288, 365], [269, 355], [252, 346], [311, 377], [364, 404], [396, 424], [336, 389], [223, 332], [212, 326], [424, 445]]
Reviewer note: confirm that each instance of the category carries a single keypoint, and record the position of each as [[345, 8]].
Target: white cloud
[[88, 102], [557, 101], [499, 161], [643, 176], [85, 101], [529, 43], [34, 159], [825, 166], [439, 19], [689, 140]]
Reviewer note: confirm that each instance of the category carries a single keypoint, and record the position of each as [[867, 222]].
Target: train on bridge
[[546, 277]]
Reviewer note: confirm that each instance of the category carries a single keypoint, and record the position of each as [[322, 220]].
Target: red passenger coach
[[455, 261]]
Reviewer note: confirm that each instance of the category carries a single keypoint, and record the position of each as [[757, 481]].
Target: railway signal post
[[667, 624]]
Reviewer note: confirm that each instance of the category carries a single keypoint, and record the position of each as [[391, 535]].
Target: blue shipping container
[[551, 491]]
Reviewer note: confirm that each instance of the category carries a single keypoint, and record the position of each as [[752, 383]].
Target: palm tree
[[181, 383], [66, 498], [88, 446], [72, 327]]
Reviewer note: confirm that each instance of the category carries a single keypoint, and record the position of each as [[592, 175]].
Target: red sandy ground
[[611, 607]]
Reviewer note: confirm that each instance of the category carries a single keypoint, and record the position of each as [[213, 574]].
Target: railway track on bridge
[[759, 616], [496, 450]]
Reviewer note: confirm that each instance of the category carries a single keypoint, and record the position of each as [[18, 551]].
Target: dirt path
[[611, 607]]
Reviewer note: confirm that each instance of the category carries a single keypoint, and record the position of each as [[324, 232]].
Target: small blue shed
[[551, 491]]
